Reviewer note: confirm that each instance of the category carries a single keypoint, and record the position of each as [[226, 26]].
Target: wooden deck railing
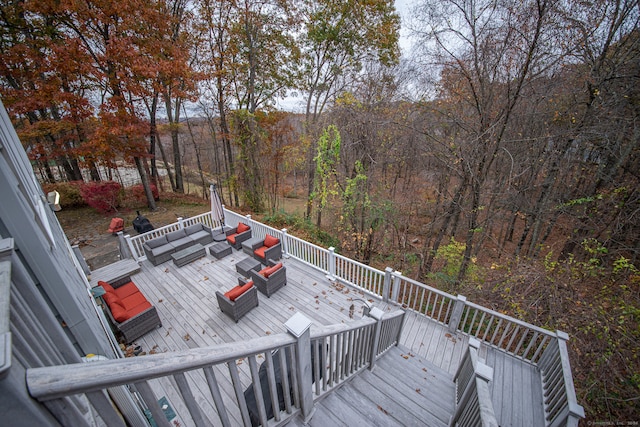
[[336, 353], [504, 333], [473, 399], [560, 405]]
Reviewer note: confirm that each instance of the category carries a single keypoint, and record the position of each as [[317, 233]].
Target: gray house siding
[[53, 318]]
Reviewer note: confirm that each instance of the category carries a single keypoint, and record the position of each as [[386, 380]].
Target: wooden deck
[[186, 303]]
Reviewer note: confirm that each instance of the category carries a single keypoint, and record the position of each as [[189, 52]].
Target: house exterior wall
[[53, 318]]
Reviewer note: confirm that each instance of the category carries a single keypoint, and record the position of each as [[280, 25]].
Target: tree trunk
[[151, 203]]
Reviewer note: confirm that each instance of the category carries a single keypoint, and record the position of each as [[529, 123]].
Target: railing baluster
[[237, 387], [217, 396], [104, 407], [189, 400], [286, 387], [151, 400]]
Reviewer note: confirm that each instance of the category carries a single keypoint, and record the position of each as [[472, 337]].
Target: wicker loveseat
[[238, 301], [159, 250], [271, 278], [128, 310]]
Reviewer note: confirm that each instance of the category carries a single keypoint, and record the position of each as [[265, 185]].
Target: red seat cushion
[[260, 251], [270, 241], [268, 271], [118, 312], [138, 309], [126, 290], [237, 291], [107, 287], [242, 227], [232, 239], [133, 300]]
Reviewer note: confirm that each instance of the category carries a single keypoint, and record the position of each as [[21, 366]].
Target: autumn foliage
[[103, 196]]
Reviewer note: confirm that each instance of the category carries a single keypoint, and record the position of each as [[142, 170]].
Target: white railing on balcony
[[473, 398], [504, 333], [337, 353]]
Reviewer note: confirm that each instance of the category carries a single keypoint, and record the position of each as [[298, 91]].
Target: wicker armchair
[[146, 316], [237, 235], [270, 279], [241, 304], [264, 250]]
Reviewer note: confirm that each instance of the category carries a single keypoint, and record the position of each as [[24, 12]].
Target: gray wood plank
[[186, 302]]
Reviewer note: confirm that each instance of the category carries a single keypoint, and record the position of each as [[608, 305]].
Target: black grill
[[141, 224]]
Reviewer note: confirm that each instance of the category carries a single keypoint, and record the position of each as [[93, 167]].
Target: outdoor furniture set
[[186, 245], [241, 299], [161, 248]]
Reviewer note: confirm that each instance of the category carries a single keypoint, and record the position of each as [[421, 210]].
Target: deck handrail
[[339, 352], [504, 333], [473, 399], [559, 397]]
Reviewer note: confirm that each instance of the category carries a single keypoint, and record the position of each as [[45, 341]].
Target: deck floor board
[[187, 305]]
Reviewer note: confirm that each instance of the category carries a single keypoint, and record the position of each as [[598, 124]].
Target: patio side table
[[243, 267], [220, 250]]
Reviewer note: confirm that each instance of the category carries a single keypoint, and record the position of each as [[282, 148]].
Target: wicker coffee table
[[188, 255]]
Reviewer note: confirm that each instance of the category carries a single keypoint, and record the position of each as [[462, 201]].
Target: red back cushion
[[111, 298], [242, 227], [238, 290], [107, 287], [270, 241], [266, 272]]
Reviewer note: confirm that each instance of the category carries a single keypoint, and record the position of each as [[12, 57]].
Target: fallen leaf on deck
[[384, 411], [160, 300], [187, 337], [417, 390], [268, 332]]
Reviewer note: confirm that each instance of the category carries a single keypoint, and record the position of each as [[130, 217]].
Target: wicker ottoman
[[220, 250], [243, 267]]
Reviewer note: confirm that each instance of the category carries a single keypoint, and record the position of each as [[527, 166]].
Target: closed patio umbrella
[[217, 211]]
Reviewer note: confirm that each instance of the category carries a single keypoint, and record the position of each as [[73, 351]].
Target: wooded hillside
[[499, 158]]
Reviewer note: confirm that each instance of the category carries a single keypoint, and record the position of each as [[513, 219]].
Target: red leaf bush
[[103, 196], [137, 191]]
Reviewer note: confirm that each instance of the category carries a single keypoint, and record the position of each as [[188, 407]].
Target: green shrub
[[70, 196]]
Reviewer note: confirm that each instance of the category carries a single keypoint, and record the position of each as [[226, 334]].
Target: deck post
[[456, 315], [123, 246], [283, 241], [81, 260], [299, 326], [129, 244], [386, 288], [395, 290], [180, 222], [332, 264], [375, 313]]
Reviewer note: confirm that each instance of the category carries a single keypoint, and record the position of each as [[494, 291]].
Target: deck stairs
[[402, 390]]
